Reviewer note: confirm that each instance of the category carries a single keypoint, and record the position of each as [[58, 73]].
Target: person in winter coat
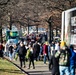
[[64, 59], [54, 64], [72, 60], [30, 56], [10, 52], [45, 51], [57, 46], [1, 50], [22, 53], [36, 49]]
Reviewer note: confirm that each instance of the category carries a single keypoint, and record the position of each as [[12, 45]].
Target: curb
[[17, 66]]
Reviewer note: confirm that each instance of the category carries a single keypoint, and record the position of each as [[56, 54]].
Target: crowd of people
[[61, 58]]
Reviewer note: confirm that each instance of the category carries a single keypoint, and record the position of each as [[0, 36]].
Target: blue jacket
[[72, 57]]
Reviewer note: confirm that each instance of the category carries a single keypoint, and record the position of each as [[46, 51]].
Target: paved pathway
[[40, 68]]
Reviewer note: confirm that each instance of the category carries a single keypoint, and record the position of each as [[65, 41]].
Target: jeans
[[10, 56], [14, 53], [72, 69], [64, 70], [44, 59]]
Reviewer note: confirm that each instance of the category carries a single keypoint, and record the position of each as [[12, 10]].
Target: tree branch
[[4, 2]]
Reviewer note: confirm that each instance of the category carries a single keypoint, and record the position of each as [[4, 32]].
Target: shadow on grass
[[10, 71]]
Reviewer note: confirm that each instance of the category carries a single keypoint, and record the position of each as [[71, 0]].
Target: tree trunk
[[0, 33]]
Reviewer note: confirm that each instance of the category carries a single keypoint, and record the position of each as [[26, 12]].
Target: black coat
[[54, 65], [11, 49], [22, 50], [36, 50]]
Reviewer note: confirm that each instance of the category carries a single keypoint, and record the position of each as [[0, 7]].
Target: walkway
[[40, 68]]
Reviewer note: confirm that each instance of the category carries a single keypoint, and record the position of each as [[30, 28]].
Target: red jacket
[[45, 49], [1, 47]]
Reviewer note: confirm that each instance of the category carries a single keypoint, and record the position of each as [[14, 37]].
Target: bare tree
[[34, 12]]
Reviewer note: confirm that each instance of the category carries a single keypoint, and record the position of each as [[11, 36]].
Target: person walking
[[40, 54], [52, 47], [49, 51], [30, 56], [53, 64], [22, 53], [1, 50], [72, 60], [10, 52], [57, 46], [45, 51], [36, 50], [64, 59]]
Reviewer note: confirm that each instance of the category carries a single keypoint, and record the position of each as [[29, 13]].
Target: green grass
[[7, 68]]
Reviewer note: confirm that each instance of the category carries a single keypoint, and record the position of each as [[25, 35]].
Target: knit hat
[[63, 44]]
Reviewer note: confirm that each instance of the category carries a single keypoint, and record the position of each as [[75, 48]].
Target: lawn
[[7, 68]]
